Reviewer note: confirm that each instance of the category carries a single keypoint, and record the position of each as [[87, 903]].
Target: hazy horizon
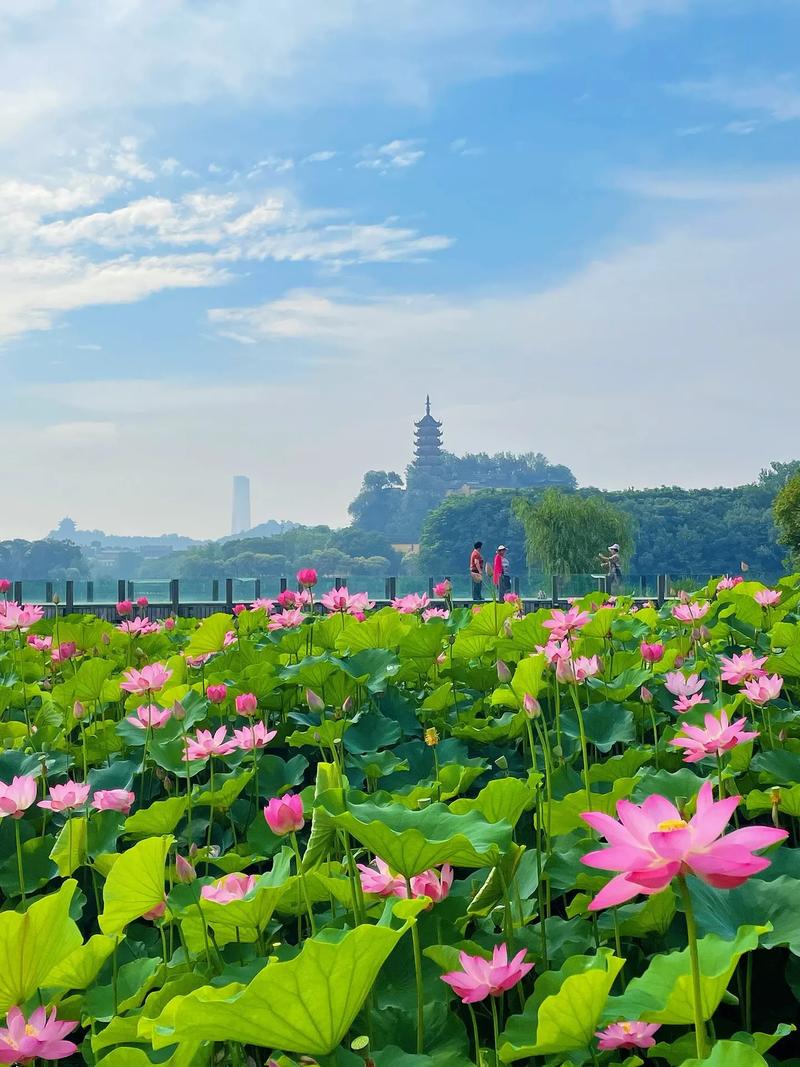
[[241, 241]]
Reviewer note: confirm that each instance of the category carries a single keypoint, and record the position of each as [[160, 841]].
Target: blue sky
[[249, 237]]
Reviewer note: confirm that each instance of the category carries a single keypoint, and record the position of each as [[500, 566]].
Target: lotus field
[[316, 832]]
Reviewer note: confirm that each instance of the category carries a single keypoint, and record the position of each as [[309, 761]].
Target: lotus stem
[[418, 976], [701, 1039], [302, 876], [20, 870]]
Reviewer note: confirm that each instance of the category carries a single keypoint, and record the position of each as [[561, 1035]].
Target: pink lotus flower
[[290, 598], [155, 913], [651, 652], [205, 744], [728, 582], [231, 887], [645, 695], [65, 651], [67, 796], [140, 627], [238, 609], [531, 706], [169, 623], [217, 693], [41, 644], [411, 603], [762, 690], [381, 881], [286, 620], [503, 672], [480, 978], [555, 651], [586, 667], [113, 800], [198, 661], [15, 799], [690, 612], [149, 715], [251, 737], [767, 598], [652, 844], [20, 617], [432, 883], [684, 704], [246, 704], [435, 613], [681, 686], [5, 585], [263, 602], [627, 1035], [719, 736], [284, 814], [307, 577], [342, 600], [562, 623], [150, 678], [184, 871], [739, 669], [442, 590], [39, 1037], [124, 607], [512, 598], [229, 639], [142, 601]]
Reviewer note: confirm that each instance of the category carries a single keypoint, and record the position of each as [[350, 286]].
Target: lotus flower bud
[[347, 706], [646, 695], [78, 710], [533, 708], [503, 673], [184, 871], [314, 701]]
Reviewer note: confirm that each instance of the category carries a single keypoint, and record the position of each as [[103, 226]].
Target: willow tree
[[565, 532]]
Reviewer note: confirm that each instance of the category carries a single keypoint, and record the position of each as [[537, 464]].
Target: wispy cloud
[[776, 98], [319, 157], [395, 155], [462, 147]]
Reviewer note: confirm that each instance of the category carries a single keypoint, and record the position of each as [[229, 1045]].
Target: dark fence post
[[643, 584], [130, 591], [215, 589], [391, 588], [662, 589], [554, 590], [18, 592], [175, 594], [48, 592], [120, 589], [89, 592], [337, 583], [517, 586], [69, 596], [430, 587], [284, 584], [229, 594], [256, 589]]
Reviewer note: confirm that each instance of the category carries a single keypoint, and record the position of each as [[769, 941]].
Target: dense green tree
[[41, 559], [787, 516], [451, 529], [565, 532]]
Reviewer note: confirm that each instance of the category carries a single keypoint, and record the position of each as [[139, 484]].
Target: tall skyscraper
[[240, 517]]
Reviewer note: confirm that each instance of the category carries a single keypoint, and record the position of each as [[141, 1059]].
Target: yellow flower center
[[672, 824], [30, 1031], [626, 1028]]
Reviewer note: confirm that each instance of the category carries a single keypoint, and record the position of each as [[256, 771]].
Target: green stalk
[[20, 870], [418, 976], [691, 933], [475, 1036], [584, 751], [302, 876], [495, 1029]]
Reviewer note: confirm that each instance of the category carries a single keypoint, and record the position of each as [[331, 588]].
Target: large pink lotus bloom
[[585, 667], [739, 669], [285, 620], [432, 883], [767, 598], [246, 704], [651, 844], [15, 799], [41, 644], [255, 736], [113, 800], [21, 617], [284, 814], [149, 715], [435, 613], [359, 603], [442, 589], [480, 978], [719, 736], [762, 690], [380, 880], [231, 887], [205, 744], [651, 652], [555, 651], [150, 678], [680, 686], [39, 1037], [263, 602], [562, 623], [291, 598], [67, 796], [410, 603], [728, 582], [627, 1035], [307, 577], [684, 704], [342, 600], [139, 627], [690, 612]]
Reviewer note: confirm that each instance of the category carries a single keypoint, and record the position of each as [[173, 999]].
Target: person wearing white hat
[[612, 564], [500, 571]]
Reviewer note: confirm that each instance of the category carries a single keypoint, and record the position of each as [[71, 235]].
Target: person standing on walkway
[[500, 572], [612, 564], [476, 571]]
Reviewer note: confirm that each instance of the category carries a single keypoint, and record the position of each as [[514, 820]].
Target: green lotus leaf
[[412, 841], [322, 838], [80, 968], [564, 1010], [33, 943], [663, 994], [210, 635], [502, 799], [723, 912], [90, 679], [160, 818], [226, 789], [761, 800], [565, 814], [729, 1054], [69, 851], [135, 884], [303, 1005]]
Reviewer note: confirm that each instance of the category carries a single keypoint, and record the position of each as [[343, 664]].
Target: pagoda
[[427, 442]]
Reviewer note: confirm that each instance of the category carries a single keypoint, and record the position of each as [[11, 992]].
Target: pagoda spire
[[427, 441]]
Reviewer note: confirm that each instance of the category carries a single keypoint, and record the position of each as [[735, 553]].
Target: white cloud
[[776, 97], [395, 155], [462, 147], [71, 434], [320, 157]]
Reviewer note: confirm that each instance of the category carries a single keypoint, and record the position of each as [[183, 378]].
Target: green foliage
[[786, 509], [565, 532]]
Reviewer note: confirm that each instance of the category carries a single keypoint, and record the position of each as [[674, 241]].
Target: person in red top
[[500, 571], [476, 571]]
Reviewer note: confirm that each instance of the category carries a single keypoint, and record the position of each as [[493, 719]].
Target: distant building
[[427, 442], [240, 517]]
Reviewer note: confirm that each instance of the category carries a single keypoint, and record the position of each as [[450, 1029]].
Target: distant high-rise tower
[[240, 519], [427, 441]]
